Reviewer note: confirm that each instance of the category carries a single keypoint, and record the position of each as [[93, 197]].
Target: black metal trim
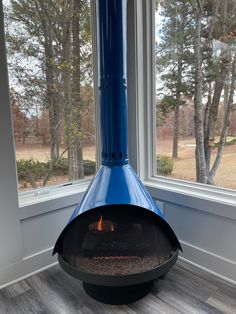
[[119, 280]]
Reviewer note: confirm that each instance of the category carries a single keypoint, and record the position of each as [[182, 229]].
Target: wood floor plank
[[151, 305], [16, 289], [75, 288], [193, 284], [3, 304], [223, 306], [53, 295], [185, 302], [202, 274], [25, 303], [185, 295], [186, 290]]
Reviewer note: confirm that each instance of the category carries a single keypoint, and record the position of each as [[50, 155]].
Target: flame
[[100, 224], [104, 225]]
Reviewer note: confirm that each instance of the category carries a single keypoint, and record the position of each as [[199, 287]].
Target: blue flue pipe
[[115, 182], [111, 18]]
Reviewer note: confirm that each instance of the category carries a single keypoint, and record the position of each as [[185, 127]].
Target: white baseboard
[[27, 267], [210, 262]]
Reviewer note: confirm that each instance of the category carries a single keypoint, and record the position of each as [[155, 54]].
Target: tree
[[76, 71], [32, 38], [208, 29], [173, 54], [55, 36], [198, 112], [217, 69]]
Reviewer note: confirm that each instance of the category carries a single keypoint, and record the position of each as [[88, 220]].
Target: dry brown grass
[[184, 167], [42, 152], [226, 175]]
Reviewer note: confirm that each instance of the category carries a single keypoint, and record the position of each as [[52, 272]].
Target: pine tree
[[173, 55]]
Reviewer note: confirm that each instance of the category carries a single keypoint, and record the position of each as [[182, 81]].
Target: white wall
[[38, 235], [207, 236]]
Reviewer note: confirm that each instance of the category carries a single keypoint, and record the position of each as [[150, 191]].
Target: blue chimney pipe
[[112, 81], [115, 182]]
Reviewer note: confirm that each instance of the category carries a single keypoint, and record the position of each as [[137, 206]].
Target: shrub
[[89, 167], [39, 169], [30, 166], [165, 165], [229, 141], [61, 168]]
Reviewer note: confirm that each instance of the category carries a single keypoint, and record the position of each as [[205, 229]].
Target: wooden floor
[[186, 289]]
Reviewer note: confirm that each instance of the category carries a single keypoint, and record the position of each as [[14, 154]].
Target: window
[[49, 50], [195, 59]]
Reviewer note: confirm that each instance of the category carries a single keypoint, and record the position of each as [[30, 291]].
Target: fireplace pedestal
[[118, 295]]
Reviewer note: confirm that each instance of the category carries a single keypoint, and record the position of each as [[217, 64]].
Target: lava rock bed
[[116, 265]]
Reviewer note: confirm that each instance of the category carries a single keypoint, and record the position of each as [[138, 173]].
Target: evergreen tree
[[173, 56]]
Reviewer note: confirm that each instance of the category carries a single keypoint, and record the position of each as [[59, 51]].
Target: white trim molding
[[27, 267], [213, 263], [209, 199]]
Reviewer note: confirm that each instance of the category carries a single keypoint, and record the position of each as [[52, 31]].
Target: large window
[[195, 90], [49, 51]]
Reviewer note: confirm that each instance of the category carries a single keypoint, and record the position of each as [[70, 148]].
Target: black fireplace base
[[115, 280], [118, 295]]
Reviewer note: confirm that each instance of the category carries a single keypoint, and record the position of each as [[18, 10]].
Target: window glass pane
[[49, 52], [195, 90]]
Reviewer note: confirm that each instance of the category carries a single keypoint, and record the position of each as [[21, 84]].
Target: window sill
[[47, 199], [214, 200]]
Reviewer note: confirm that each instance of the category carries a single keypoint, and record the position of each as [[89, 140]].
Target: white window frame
[[207, 198], [36, 202]]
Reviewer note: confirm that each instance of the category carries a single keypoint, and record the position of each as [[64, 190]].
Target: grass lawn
[[226, 175], [42, 152], [184, 167]]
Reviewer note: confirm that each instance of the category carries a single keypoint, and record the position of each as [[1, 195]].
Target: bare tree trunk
[[226, 95], [225, 125], [207, 142], [53, 108], [177, 107], [176, 129], [76, 79], [67, 87], [211, 118], [71, 82], [213, 112], [52, 99], [205, 126], [198, 111]]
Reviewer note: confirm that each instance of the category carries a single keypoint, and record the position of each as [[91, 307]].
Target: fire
[[104, 225], [100, 224]]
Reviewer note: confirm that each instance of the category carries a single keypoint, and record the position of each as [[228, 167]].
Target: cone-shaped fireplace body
[[117, 240]]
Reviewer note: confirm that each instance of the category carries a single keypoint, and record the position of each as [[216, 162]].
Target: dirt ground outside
[[184, 167]]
